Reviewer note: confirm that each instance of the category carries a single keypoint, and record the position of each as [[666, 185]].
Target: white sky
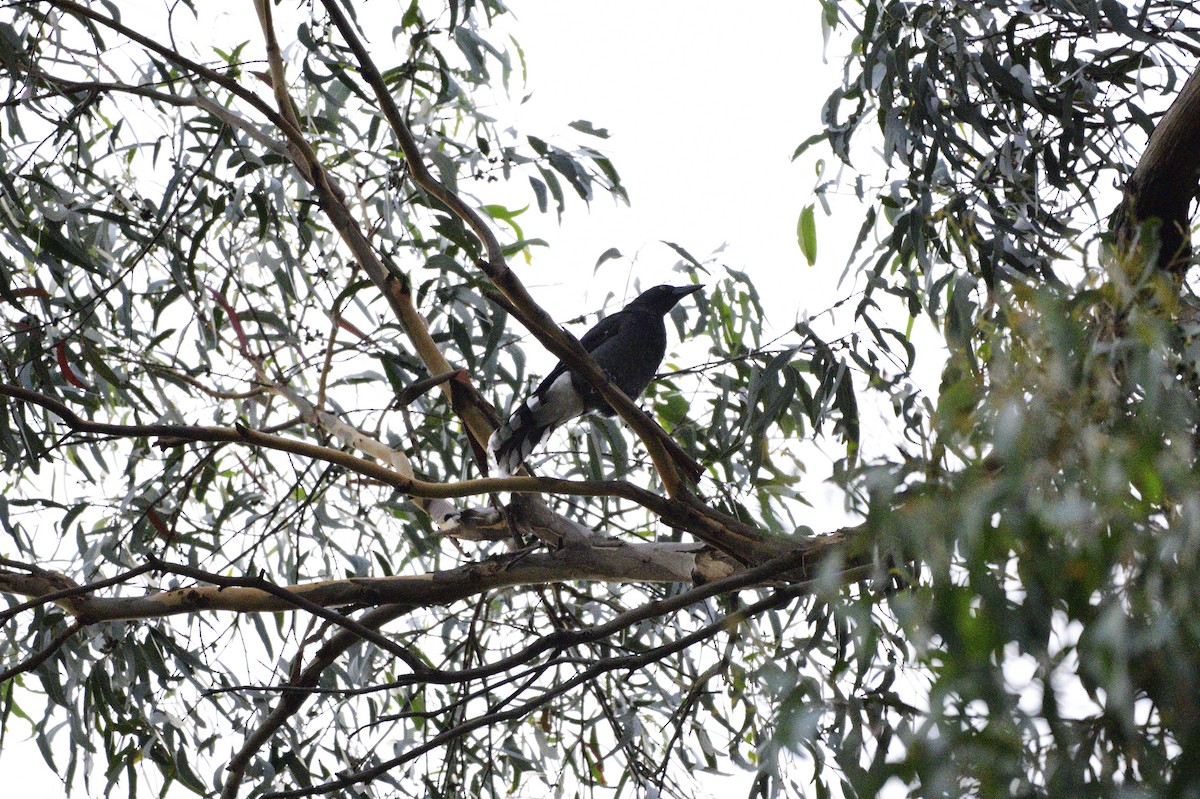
[[705, 103], [705, 108]]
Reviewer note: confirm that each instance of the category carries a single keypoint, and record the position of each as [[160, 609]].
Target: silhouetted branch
[[32, 662]]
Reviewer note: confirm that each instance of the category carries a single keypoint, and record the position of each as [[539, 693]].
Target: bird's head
[[663, 298]]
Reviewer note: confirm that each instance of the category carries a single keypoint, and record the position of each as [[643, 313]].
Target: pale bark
[[603, 560]]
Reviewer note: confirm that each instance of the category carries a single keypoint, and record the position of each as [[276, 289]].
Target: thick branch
[[46, 586], [564, 639], [778, 598], [1164, 183], [606, 560], [794, 565]]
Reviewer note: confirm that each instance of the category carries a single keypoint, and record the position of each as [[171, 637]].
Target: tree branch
[[1164, 183], [777, 599], [607, 559], [291, 702], [664, 451], [745, 542], [210, 75], [41, 587], [561, 640], [333, 202], [330, 197]]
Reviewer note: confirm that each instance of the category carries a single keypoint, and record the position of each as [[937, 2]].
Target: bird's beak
[[683, 291]]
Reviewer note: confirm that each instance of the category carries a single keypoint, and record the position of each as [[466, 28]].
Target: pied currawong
[[628, 345]]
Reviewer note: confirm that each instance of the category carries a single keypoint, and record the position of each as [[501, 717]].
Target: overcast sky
[[705, 108]]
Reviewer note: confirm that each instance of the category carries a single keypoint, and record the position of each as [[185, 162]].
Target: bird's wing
[[604, 330], [558, 398]]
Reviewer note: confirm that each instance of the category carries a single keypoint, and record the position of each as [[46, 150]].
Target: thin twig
[[293, 598], [37, 659], [78, 590]]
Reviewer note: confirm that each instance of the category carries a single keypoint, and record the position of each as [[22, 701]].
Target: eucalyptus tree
[[260, 323]]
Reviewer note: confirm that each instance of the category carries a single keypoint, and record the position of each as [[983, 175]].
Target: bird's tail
[[530, 424], [517, 438]]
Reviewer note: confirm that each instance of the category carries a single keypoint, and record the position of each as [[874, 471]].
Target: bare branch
[[613, 561], [44, 595], [561, 640]]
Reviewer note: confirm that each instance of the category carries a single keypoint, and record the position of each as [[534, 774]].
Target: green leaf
[[809, 142], [806, 234], [687, 256]]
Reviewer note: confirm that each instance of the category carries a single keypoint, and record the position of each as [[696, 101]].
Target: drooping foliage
[[1048, 511]]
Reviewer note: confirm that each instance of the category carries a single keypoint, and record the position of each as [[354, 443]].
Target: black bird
[[628, 346]]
